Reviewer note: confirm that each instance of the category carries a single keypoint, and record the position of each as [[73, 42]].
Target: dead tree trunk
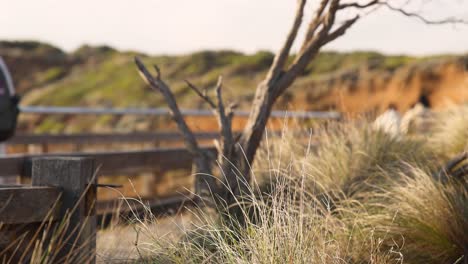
[[205, 182], [236, 154]]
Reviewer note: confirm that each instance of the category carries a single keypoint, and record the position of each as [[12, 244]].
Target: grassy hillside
[[105, 77], [112, 79]]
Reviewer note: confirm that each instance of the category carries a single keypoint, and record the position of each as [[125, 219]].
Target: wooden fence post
[[75, 177]]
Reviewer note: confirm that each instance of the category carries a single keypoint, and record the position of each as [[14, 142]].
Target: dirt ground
[[118, 244]]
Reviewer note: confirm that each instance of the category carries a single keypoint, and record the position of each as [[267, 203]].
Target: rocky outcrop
[[443, 81]]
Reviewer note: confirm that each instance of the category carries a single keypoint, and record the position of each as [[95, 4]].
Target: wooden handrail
[[104, 138], [17, 208], [112, 163]]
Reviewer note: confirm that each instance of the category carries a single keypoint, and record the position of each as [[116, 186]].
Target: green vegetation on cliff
[[104, 77], [109, 78]]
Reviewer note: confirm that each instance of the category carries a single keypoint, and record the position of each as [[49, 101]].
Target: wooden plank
[[108, 138], [112, 163], [27, 204], [121, 163], [88, 138], [75, 178], [13, 165]]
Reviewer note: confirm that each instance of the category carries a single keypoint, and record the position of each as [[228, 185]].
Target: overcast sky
[[181, 26]]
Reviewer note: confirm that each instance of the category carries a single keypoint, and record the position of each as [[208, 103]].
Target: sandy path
[[117, 244]]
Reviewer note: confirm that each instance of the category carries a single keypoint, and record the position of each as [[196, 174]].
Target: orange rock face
[[444, 82]]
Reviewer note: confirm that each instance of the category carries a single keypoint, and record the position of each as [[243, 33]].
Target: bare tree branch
[[224, 121], [158, 71], [341, 30], [158, 85], [450, 20], [224, 117], [331, 15], [230, 109], [310, 47], [326, 21], [358, 5], [282, 56], [401, 10], [205, 183], [315, 23], [274, 84], [201, 95]]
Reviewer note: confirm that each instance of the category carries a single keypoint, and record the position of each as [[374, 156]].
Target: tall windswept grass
[[348, 193], [450, 133], [430, 216], [46, 243], [350, 157], [283, 230]]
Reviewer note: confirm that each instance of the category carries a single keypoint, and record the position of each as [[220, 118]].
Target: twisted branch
[[205, 183], [223, 116], [224, 121], [450, 169], [358, 5], [449, 20], [160, 86], [282, 56], [201, 95], [315, 22]]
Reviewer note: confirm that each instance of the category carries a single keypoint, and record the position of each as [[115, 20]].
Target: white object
[[389, 122], [412, 116]]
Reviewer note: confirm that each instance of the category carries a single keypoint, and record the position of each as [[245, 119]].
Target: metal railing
[[166, 112]]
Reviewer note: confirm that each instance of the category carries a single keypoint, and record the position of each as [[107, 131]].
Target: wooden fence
[[104, 138], [116, 163], [55, 214], [23, 207], [157, 161], [66, 183], [112, 163]]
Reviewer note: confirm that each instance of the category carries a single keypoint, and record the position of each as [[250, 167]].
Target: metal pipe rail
[[166, 112]]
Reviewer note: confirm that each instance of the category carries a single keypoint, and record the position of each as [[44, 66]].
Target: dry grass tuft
[[357, 195], [430, 216], [283, 230], [349, 158], [450, 133]]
